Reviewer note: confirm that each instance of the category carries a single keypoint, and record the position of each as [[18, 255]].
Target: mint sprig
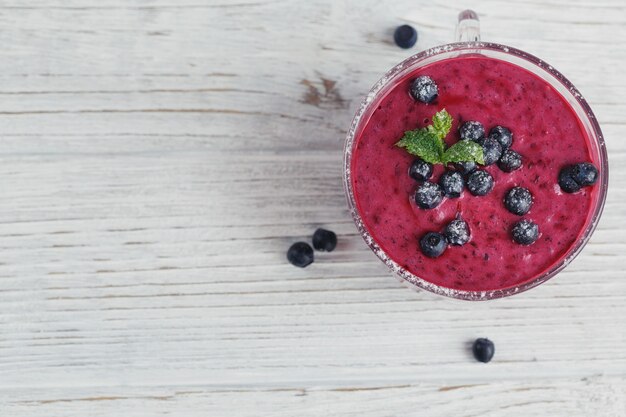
[[424, 144], [464, 151], [428, 143]]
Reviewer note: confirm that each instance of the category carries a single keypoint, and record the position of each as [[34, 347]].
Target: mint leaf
[[464, 151], [442, 123], [422, 143], [428, 143]]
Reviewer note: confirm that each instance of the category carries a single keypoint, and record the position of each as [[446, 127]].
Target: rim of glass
[[409, 64]]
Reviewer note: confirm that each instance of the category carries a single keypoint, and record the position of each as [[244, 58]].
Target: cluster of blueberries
[[496, 149], [300, 254], [574, 177], [518, 200], [456, 233]]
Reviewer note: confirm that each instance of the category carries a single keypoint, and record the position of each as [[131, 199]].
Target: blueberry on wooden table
[[424, 89], [300, 254], [324, 240], [433, 244], [420, 170], [483, 350], [405, 36]]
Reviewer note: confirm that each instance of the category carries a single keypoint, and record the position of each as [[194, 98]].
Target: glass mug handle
[[468, 28]]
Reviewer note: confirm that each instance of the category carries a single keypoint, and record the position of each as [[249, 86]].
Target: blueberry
[[466, 167], [480, 183], [492, 150], [428, 195], [433, 244], [300, 254], [405, 36], [420, 170], [452, 183], [324, 240], [502, 135], [483, 350], [518, 200], [457, 232], [424, 89], [585, 174], [573, 177], [566, 180], [472, 130], [510, 161], [525, 232]]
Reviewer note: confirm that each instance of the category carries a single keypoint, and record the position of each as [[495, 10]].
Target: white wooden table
[[159, 156]]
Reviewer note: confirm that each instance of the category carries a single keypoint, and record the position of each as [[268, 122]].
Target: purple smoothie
[[546, 132]]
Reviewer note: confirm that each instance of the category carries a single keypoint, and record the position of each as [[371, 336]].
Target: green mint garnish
[[464, 151], [428, 143], [442, 123], [422, 143]]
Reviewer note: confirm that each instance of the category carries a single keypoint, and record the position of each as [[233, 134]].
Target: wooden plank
[[568, 397]]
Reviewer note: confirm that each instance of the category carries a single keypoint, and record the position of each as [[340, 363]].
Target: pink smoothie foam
[[546, 132]]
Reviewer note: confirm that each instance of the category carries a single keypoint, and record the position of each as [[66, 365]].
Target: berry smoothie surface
[[546, 132]]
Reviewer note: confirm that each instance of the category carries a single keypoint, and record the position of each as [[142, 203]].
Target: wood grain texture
[[158, 158], [586, 397]]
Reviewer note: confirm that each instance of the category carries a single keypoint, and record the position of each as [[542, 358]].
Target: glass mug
[[468, 42]]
